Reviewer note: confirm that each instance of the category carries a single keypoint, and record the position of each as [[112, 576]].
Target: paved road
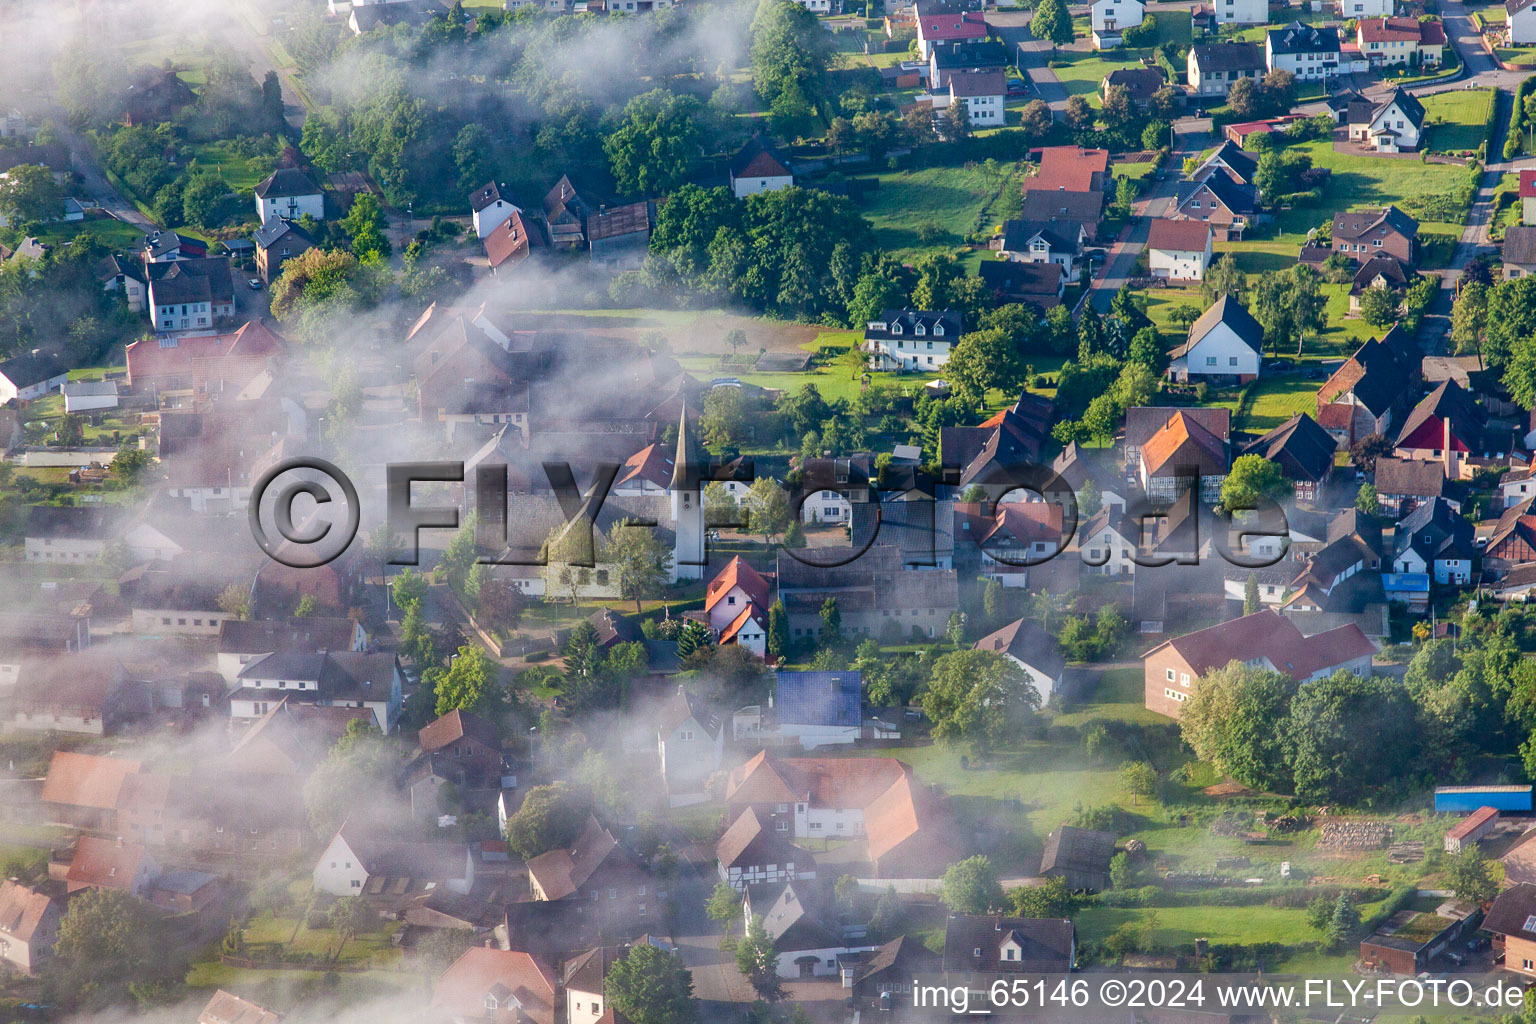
[[97, 187], [1030, 55]]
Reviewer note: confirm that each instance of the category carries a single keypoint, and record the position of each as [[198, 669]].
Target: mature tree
[[1253, 480], [831, 620], [28, 194], [1224, 277], [1279, 91], [1138, 779], [1378, 306], [356, 774], [440, 947], [1364, 452], [970, 886], [638, 562], [725, 416], [472, 684], [981, 361], [106, 941], [650, 985], [235, 601], [1036, 121], [1511, 326], [366, 226], [977, 696], [272, 103], [1469, 316], [758, 959], [790, 52], [1232, 720], [550, 817], [1367, 500], [350, 916], [723, 905], [1251, 595], [1052, 21], [1343, 923], [778, 630], [767, 508], [1245, 98], [202, 198], [1079, 113], [1347, 735], [656, 144], [720, 508], [1050, 899], [1470, 875]]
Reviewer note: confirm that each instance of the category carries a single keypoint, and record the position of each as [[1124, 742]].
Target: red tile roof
[[946, 27], [652, 464], [234, 358], [1183, 435], [21, 910], [104, 863], [748, 614], [1270, 635], [737, 574], [1528, 184], [559, 873], [461, 990], [512, 241], [1069, 169], [454, 726], [1472, 822], [1383, 30], [86, 780], [1179, 235]]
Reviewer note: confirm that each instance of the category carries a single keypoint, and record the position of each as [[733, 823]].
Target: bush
[[1140, 35]]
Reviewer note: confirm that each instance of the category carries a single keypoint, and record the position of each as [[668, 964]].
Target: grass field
[[1082, 73], [1361, 181], [950, 198], [236, 170], [1277, 399], [110, 230], [1457, 119]]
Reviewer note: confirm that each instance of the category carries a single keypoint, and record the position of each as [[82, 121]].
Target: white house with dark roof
[[325, 678], [1057, 241], [1240, 12], [1213, 67], [1520, 16], [982, 93], [490, 208], [1110, 18], [1308, 52], [690, 737], [31, 375], [1395, 125], [1226, 342], [288, 192], [1033, 651], [356, 863], [906, 339]]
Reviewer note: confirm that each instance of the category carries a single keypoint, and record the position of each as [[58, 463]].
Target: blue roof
[[1405, 581], [819, 698]]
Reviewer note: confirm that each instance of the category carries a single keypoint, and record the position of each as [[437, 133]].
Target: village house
[[1230, 159], [808, 942], [1069, 169], [125, 276], [1057, 241], [1110, 18], [1528, 192], [1519, 250], [1225, 344], [489, 208], [243, 640], [1032, 650], [915, 340], [752, 853], [565, 214], [1239, 12], [31, 375], [1404, 484], [981, 949], [1513, 540], [1387, 41], [1227, 205], [356, 863], [736, 602], [277, 241], [936, 29], [169, 247], [1179, 250], [1512, 922], [1169, 460], [111, 864], [982, 94], [876, 798], [516, 238], [210, 363], [1388, 230], [1449, 427], [1309, 53], [190, 295], [497, 986], [987, 453], [1392, 125], [618, 236], [1371, 390], [1079, 857], [1264, 639], [29, 926], [89, 692], [1085, 208], [1520, 17], [1434, 538], [1213, 67], [288, 194], [224, 1008], [966, 55], [1304, 452], [1140, 84], [596, 871], [1004, 541], [167, 603], [690, 739], [469, 744], [888, 974], [817, 709], [326, 678], [1387, 273]]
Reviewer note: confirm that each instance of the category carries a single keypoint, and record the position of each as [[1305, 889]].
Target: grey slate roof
[[1229, 56], [819, 698], [287, 181], [1229, 311], [1299, 38]]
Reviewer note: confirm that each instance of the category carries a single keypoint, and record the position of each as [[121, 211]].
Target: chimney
[[1445, 440], [119, 842], [489, 944]]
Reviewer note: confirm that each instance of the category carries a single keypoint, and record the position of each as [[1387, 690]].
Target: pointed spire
[[688, 461]]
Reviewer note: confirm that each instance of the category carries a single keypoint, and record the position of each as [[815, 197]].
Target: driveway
[[1030, 56]]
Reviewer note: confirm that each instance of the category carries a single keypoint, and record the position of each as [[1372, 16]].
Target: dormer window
[[938, 330], [490, 1002], [919, 330], [896, 328]]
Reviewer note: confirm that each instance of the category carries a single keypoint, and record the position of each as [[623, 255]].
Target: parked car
[[254, 282]]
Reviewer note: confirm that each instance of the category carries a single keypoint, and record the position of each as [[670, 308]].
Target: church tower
[[686, 490]]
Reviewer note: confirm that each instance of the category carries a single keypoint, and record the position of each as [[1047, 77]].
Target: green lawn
[[1277, 399], [112, 232], [1517, 55], [1457, 119], [951, 199], [1082, 74], [1361, 181], [238, 171]]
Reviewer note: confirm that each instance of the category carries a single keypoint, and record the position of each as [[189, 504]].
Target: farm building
[[1469, 798], [1407, 942], [1469, 830]]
